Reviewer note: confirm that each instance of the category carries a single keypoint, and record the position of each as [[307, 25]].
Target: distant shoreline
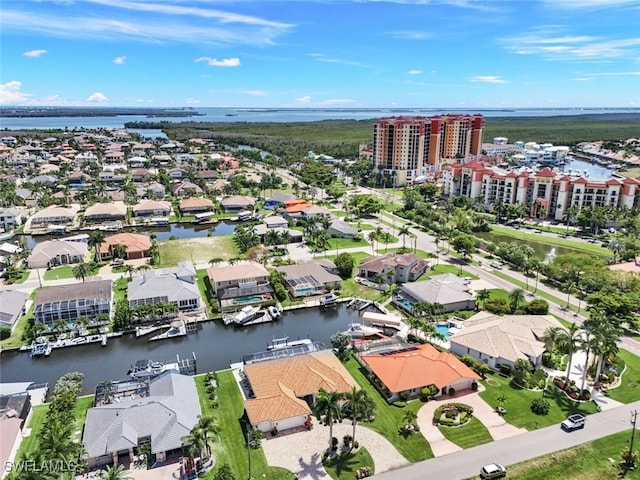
[[41, 112]]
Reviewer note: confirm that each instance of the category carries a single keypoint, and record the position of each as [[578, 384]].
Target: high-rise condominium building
[[410, 148]]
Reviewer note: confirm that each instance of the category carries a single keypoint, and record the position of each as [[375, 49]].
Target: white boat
[[357, 330], [143, 369], [328, 299], [245, 315], [279, 343], [41, 347], [274, 312]]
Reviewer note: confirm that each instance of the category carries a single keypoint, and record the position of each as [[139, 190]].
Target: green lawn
[[345, 465], [199, 250], [468, 435], [36, 424], [445, 268], [388, 420], [585, 462], [350, 288], [80, 411], [518, 404], [629, 390], [120, 289], [66, 271], [24, 274], [204, 286], [230, 444], [420, 253]]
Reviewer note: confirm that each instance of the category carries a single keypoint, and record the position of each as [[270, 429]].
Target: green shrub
[[5, 332], [404, 395], [540, 406], [447, 422], [451, 413], [505, 370]]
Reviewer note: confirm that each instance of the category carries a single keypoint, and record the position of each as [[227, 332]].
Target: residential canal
[[215, 347], [165, 232]]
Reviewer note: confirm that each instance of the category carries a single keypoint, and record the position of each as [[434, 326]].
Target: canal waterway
[[164, 232], [214, 345]]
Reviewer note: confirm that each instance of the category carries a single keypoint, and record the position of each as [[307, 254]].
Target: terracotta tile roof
[[279, 385], [242, 271], [417, 367], [135, 242]]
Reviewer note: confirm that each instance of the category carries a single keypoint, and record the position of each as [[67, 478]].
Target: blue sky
[[343, 54]]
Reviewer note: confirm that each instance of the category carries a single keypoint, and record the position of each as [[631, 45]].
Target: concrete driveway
[[301, 452]]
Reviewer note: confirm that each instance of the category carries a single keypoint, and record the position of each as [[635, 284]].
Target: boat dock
[[45, 348], [359, 303]]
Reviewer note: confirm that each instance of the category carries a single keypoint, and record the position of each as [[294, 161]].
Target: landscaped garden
[[629, 389], [350, 464], [517, 402], [390, 419]]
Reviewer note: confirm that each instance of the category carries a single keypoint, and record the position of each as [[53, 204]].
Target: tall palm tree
[[404, 232], [96, 238], [207, 425], [81, 271], [568, 343], [516, 296], [482, 295], [372, 238], [359, 405], [431, 333], [588, 343], [550, 337], [327, 408]]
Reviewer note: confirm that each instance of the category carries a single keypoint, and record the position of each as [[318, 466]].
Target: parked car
[[493, 470], [574, 422], [496, 265]]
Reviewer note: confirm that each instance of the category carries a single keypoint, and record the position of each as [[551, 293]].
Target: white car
[[496, 265], [493, 470], [574, 422]]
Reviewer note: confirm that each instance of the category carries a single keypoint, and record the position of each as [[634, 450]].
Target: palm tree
[[567, 341], [588, 343], [216, 260], [327, 407], [194, 442], [322, 242], [550, 337], [372, 238], [115, 472], [570, 215], [516, 296], [81, 271], [431, 333], [607, 336], [271, 237], [205, 426], [119, 251], [96, 237], [409, 418], [404, 231], [483, 295], [359, 406]]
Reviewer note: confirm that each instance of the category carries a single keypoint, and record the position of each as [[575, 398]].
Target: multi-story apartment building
[[554, 192], [411, 147]]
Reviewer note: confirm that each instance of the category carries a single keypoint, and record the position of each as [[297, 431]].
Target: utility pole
[[629, 461]]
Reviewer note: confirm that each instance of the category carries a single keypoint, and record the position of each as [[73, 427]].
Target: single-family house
[[152, 208], [315, 211], [241, 284], [207, 174], [11, 218], [275, 221], [293, 208], [55, 215], [393, 268], [160, 416], [448, 290], [70, 302], [105, 212], [279, 198], [186, 188], [497, 340], [285, 388], [12, 307], [341, 229], [51, 253], [237, 203], [193, 205], [153, 190], [139, 175], [137, 245], [178, 173], [410, 368], [174, 285], [309, 278], [45, 180]]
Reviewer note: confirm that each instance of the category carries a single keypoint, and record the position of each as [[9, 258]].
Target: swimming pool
[[305, 291], [245, 300], [405, 303], [443, 330]]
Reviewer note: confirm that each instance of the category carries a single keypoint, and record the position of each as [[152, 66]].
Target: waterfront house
[[237, 203], [241, 284], [410, 368], [54, 215], [152, 190], [185, 189], [275, 221], [159, 415], [174, 285], [309, 278], [294, 236], [193, 205], [52, 253], [448, 290], [284, 389], [279, 198], [341, 229], [152, 208], [73, 301], [11, 218], [137, 245], [393, 268], [497, 340], [105, 212], [12, 307]]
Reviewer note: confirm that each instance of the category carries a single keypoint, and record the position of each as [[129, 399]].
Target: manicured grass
[[629, 390], [66, 271], [518, 404], [230, 445], [468, 435], [120, 289], [420, 253], [80, 412], [345, 465], [204, 286], [589, 461], [15, 340], [342, 243], [357, 257], [36, 424], [444, 268], [24, 274], [199, 250], [350, 288], [389, 419]]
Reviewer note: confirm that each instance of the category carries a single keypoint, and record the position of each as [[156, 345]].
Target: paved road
[[467, 463]]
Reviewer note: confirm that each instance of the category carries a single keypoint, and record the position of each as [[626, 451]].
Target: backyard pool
[[405, 303], [305, 291], [245, 300]]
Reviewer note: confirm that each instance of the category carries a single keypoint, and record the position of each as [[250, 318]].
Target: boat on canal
[[144, 369], [328, 299], [274, 312], [358, 330], [41, 347], [280, 343]]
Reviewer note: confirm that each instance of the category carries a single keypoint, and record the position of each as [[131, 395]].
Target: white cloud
[[97, 97], [587, 4], [613, 74], [414, 72], [225, 62], [34, 53], [193, 101], [321, 57], [119, 60], [410, 35], [10, 93], [335, 101], [255, 93], [488, 79], [306, 100]]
